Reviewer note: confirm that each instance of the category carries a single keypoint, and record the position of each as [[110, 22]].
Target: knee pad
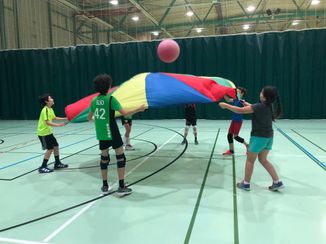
[[239, 139], [104, 165], [121, 160], [230, 138], [105, 158], [104, 162]]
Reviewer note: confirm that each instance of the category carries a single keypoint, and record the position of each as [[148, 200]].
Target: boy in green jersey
[[44, 132], [102, 111]]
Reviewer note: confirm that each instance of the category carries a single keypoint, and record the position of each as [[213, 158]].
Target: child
[[103, 109], [45, 134], [236, 122], [191, 119], [261, 139], [127, 123]]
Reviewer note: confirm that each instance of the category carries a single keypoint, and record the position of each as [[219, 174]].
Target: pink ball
[[168, 50]]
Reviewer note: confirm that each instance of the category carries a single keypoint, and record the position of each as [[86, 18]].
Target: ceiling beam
[[149, 16], [166, 12], [193, 24], [237, 19], [243, 10], [218, 9], [96, 19]]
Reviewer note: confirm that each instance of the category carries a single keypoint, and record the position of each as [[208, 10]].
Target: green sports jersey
[[47, 114], [100, 108]]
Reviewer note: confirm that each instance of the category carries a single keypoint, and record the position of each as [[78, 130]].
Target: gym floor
[[182, 193]]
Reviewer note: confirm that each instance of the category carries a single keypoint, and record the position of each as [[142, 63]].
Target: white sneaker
[[129, 148]]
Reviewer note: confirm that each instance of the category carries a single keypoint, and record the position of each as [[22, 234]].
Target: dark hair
[[44, 98], [243, 90], [102, 83], [273, 100]]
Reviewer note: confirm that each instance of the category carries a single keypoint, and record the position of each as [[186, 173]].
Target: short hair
[[243, 90], [44, 98], [102, 83]]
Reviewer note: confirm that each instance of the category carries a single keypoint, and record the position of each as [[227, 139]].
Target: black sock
[[105, 183], [57, 160], [121, 183], [45, 163]]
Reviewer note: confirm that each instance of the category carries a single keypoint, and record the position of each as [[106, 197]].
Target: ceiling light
[[246, 27], [295, 22], [199, 30], [251, 8], [315, 2], [135, 18], [190, 13], [114, 2], [155, 33]]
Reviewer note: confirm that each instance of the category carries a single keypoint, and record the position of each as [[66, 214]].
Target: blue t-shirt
[[237, 117]]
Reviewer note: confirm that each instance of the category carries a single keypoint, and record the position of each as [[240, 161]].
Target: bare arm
[[60, 118], [54, 124], [125, 112], [246, 103], [235, 109], [90, 116], [228, 99]]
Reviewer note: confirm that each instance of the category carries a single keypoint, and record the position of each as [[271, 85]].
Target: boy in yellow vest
[[44, 132]]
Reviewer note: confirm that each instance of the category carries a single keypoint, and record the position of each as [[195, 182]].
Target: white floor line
[[68, 222], [289, 155], [8, 240], [73, 218]]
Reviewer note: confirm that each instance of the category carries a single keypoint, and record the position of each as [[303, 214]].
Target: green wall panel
[[294, 61]]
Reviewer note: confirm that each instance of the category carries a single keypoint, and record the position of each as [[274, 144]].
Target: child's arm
[[60, 118], [228, 99], [54, 124], [90, 116], [245, 104], [125, 112], [235, 109]]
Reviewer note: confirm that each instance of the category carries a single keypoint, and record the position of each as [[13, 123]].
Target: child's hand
[[62, 124], [222, 105], [142, 108]]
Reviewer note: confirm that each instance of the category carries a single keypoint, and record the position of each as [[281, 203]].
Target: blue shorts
[[258, 144]]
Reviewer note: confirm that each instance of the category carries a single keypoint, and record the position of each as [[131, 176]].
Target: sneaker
[[43, 170], [129, 147], [243, 186], [227, 153], [196, 142], [123, 191], [183, 142], [276, 186], [106, 190], [60, 166]]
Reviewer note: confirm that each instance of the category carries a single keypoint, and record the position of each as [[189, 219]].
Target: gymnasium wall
[[294, 61]]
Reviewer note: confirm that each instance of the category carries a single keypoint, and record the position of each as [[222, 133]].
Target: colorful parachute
[[78, 111], [160, 90]]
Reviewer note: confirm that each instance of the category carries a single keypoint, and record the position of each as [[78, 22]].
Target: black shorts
[[48, 142], [116, 141], [126, 121], [191, 121]]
